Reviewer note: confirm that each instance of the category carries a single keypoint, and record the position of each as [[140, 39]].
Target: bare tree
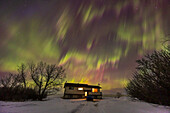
[[46, 76], [22, 74], [12, 80], [9, 80]]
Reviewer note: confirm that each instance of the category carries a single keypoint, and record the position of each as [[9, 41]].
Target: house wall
[[88, 89], [96, 93], [70, 96], [75, 93]]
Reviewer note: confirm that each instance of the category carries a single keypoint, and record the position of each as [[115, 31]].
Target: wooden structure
[[76, 90]]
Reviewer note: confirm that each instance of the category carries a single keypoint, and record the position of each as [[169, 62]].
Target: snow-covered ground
[[59, 105]]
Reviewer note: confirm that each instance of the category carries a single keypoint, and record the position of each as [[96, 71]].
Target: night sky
[[97, 41]]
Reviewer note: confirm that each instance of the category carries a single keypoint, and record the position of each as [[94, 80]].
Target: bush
[[18, 94], [151, 81]]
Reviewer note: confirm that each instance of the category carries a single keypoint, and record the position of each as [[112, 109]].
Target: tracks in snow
[[89, 107]]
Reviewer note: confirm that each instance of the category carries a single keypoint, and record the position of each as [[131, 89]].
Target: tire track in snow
[[81, 111], [79, 108], [91, 107]]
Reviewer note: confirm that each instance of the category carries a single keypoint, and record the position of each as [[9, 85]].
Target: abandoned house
[[76, 90]]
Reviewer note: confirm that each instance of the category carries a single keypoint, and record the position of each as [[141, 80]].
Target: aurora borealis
[[97, 41]]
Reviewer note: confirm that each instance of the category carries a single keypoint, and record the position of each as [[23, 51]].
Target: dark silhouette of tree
[[22, 74], [151, 81], [46, 76], [12, 80], [9, 80]]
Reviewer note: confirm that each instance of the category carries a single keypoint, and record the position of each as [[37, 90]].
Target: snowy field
[[59, 105]]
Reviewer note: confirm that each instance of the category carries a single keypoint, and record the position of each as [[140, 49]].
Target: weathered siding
[[73, 92], [96, 93], [87, 89]]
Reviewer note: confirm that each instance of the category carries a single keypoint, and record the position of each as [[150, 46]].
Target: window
[[94, 90], [85, 94], [71, 88], [80, 88]]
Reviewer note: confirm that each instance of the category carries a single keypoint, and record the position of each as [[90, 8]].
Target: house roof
[[80, 85]]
